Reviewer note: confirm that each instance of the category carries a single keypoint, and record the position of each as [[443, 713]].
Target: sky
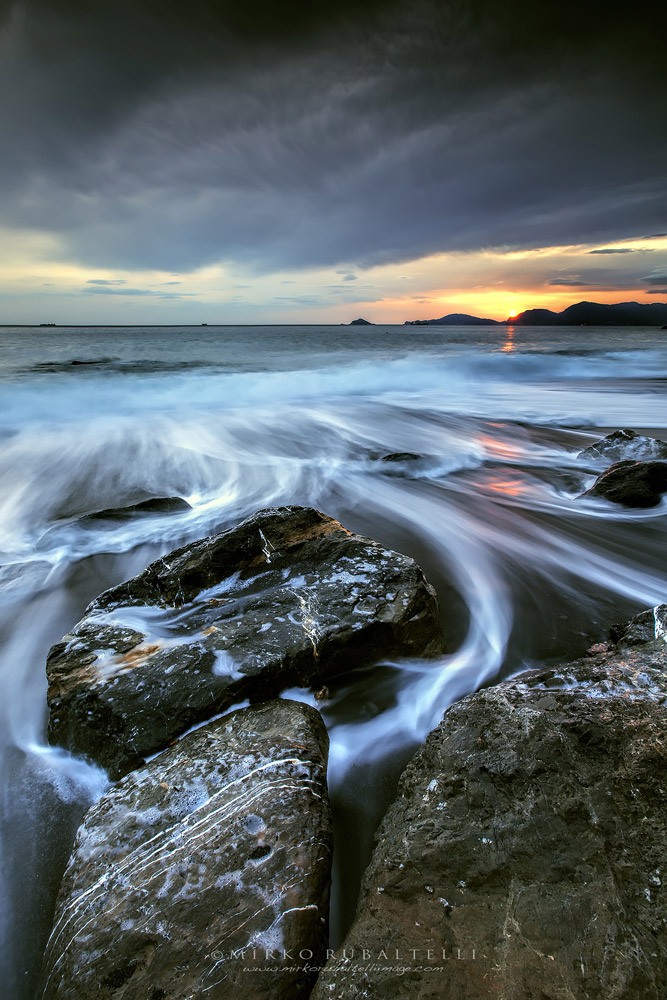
[[238, 161]]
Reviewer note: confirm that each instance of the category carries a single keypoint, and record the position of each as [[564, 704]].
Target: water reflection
[[509, 339]]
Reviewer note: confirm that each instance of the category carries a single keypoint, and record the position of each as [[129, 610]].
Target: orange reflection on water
[[502, 449], [510, 486], [509, 340]]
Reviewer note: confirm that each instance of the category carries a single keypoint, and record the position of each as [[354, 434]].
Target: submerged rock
[[406, 464], [525, 854], [154, 505], [220, 845], [401, 456], [287, 597], [631, 484], [625, 444]]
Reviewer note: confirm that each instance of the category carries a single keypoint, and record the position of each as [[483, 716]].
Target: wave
[[421, 377], [232, 443]]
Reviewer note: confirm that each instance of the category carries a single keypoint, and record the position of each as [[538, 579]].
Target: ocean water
[[236, 419]]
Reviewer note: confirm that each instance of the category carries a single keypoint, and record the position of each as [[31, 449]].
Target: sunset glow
[[37, 285], [321, 195]]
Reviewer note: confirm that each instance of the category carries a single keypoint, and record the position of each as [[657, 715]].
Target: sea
[[489, 421]]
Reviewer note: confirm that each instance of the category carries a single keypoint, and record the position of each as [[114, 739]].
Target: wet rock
[[623, 445], [631, 484], [401, 456], [154, 505], [287, 597], [524, 855], [91, 361], [408, 465], [643, 628], [219, 846]]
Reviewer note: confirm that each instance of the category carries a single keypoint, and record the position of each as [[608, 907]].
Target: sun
[[513, 310]]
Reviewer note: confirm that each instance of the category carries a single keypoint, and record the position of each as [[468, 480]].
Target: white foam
[[225, 665]]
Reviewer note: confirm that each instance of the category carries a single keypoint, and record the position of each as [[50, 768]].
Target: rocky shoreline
[[524, 854], [522, 857]]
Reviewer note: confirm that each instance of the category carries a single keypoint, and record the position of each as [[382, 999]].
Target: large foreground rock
[[527, 844], [287, 597], [632, 484], [221, 844]]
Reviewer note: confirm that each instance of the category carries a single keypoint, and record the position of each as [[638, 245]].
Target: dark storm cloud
[[158, 134], [619, 273], [610, 250], [656, 291]]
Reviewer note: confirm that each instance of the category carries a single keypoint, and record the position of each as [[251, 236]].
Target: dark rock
[[528, 842], [287, 597], [625, 444], [632, 484], [155, 505], [361, 322], [222, 843], [401, 456], [90, 361], [407, 464], [643, 628]]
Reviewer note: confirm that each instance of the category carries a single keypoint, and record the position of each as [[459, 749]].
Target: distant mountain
[[361, 322], [454, 319], [535, 317], [597, 314], [581, 314]]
